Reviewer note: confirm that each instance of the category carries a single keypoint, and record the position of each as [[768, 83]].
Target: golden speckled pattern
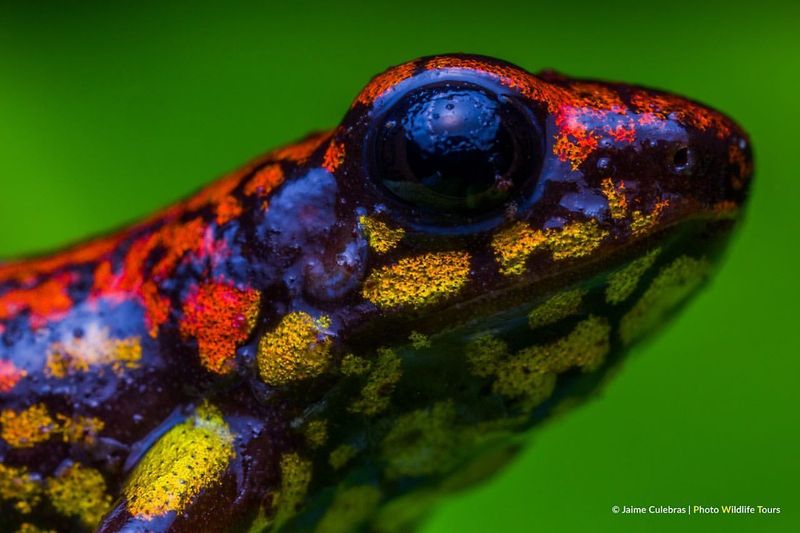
[[295, 477], [19, 486], [296, 349], [188, 458], [418, 281], [376, 393], [557, 307], [381, 237], [531, 373], [514, 245], [81, 492], [623, 282], [674, 283]]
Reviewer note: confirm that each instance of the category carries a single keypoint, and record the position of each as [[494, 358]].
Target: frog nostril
[[680, 159]]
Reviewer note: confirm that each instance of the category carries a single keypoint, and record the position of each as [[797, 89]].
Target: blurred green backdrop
[[108, 112]]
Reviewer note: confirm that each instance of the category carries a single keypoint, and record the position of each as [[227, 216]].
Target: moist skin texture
[[296, 348]]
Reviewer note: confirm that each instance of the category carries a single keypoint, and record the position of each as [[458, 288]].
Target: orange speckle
[[216, 192], [228, 209], [177, 239], [80, 429], [658, 107], [615, 195], [383, 82], [574, 145], [9, 375], [26, 271], [299, 152], [24, 429], [508, 75], [220, 317], [623, 132], [265, 180], [334, 156], [45, 301], [587, 102], [156, 307]]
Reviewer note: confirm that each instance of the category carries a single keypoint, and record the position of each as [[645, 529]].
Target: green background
[[109, 112]]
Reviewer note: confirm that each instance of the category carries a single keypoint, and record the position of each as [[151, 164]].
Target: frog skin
[[351, 327]]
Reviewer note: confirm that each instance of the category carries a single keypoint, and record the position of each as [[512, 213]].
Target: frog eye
[[454, 147]]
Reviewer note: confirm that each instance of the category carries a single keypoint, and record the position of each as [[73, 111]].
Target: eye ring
[[454, 148]]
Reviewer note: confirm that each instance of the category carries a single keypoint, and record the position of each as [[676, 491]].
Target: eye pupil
[[453, 147]]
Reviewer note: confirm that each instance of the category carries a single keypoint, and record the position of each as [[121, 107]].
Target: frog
[[349, 328]]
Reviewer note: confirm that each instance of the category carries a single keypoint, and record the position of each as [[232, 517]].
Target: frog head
[[463, 197]]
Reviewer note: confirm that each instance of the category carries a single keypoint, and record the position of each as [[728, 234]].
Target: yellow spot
[[92, 350], [642, 223], [24, 429], [617, 203], [350, 509], [673, 284], [17, 485], [190, 457], [352, 365], [513, 246], [418, 281], [484, 353], [316, 433], [79, 491], [419, 340], [577, 239], [296, 349], [380, 236], [561, 305], [376, 394], [80, 429], [420, 442], [295, 478], [531, 373], [623, 282], [341, 456]]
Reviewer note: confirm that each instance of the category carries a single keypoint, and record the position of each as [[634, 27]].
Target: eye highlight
[[454, 148]]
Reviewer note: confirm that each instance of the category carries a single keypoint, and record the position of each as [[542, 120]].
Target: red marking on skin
[[220, 317], [622, 132], [9, 375], [265, 180], [176, 240], [46, 301], [383, 82], [299, 152], [26, 271], [574, 145], [156, 307], [660, 107], [228, 209], [334, 156], [586, 105]]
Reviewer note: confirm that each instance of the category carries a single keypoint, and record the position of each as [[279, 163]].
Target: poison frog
[[349, 328]]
